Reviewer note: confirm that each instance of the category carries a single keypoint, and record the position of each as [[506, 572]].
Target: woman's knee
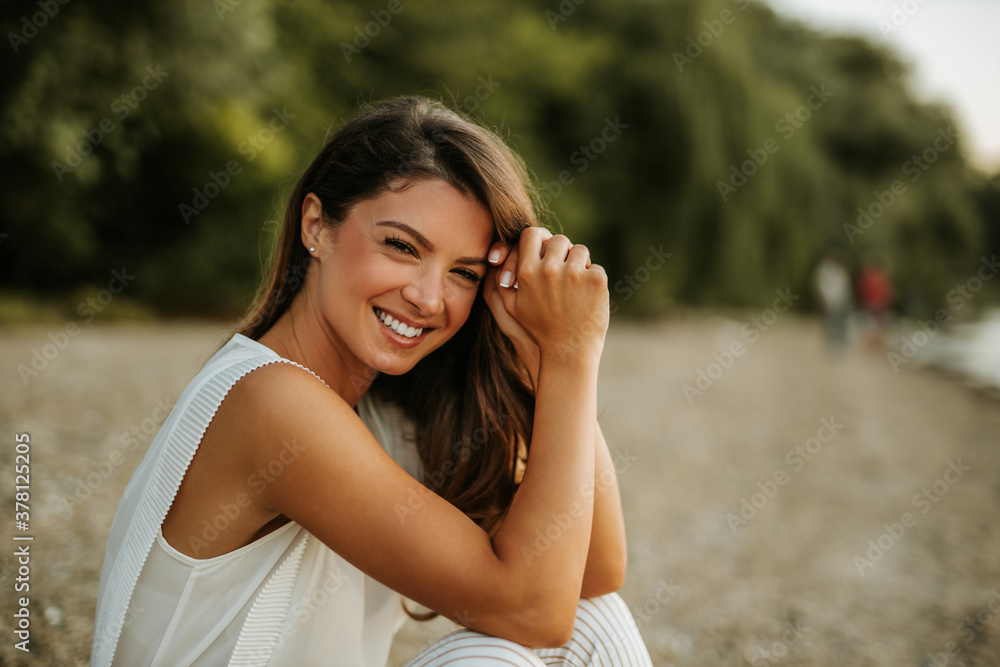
[[609, 616], [604, 633], [467, 648], [604, 628]]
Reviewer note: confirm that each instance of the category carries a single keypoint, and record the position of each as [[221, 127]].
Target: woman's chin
[[394, 360], [384, 363], [395, 370]]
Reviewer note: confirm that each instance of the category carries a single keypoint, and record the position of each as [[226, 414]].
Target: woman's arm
[[344, 489], [549, 523], [524, 583], [607, 551]]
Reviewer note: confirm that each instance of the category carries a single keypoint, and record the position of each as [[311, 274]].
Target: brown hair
[[470, 400]]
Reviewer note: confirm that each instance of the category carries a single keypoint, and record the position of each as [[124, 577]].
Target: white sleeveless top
[[284, 599]]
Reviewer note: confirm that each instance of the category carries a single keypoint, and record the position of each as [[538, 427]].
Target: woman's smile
[[400, 330]]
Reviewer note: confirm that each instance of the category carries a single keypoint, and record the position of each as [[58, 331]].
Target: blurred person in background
[[409, 410], [875, 294], [833, 284]]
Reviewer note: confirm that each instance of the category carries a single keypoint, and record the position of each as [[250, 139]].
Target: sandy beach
[[786, 508]]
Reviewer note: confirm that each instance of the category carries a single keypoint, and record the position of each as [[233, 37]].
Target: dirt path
[[791, 581]]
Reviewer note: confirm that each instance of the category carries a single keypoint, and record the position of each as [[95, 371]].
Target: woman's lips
[[398, 338]]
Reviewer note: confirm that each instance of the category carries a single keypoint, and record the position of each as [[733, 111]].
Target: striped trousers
[[605, 635]]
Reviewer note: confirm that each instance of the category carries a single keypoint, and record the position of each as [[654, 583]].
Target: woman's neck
[[300, 337]]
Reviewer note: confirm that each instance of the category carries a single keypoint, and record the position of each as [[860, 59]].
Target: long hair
[[471, 401]]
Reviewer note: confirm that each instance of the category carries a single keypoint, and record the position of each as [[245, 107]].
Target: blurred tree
[[161, 137], [988, 201]]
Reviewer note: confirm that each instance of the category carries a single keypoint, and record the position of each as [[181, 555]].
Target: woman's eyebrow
[[426, 242]]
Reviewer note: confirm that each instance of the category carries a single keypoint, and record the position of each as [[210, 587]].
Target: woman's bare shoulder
[[277, 404], [281, 377]]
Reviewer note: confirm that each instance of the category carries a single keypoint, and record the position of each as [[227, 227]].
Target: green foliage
[[709, 148]]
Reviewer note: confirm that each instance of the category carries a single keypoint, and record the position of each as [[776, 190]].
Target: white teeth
[[397, 326]]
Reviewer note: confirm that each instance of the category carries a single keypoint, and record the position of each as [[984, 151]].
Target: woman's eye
[[471, 275], [400, 245]]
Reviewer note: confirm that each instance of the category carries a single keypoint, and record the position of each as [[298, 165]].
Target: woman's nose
[[426, 292]]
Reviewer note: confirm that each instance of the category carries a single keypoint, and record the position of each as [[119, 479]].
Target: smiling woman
[[377, 265], [278, 499]]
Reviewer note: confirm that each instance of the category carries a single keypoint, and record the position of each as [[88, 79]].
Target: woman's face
[[416, 256]]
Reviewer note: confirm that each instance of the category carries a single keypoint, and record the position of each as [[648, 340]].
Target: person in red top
[[875, 295]]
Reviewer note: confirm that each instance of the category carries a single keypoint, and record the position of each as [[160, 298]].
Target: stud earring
[[312, 248]]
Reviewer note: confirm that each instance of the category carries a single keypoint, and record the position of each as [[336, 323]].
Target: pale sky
[[952, 45]]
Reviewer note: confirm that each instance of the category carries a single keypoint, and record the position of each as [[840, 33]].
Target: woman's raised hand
[[560, 307]]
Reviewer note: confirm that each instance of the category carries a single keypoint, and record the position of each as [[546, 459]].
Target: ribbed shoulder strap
[[171, 452]]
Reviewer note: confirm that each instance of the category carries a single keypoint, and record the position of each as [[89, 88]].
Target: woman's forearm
[[607, 554], [545, 535]]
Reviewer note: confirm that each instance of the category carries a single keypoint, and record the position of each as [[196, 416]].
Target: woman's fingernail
[[505, 278], [494, 257]]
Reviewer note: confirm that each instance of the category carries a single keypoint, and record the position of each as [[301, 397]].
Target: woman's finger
[[498, 253], [508, 272], [557, 249], [513, 259], [546, 234], [501, 303], [579, 254]]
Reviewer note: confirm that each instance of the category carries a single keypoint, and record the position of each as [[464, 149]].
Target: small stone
[[53, 615]]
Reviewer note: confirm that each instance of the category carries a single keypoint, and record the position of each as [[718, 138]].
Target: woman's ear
[[312, 222]]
